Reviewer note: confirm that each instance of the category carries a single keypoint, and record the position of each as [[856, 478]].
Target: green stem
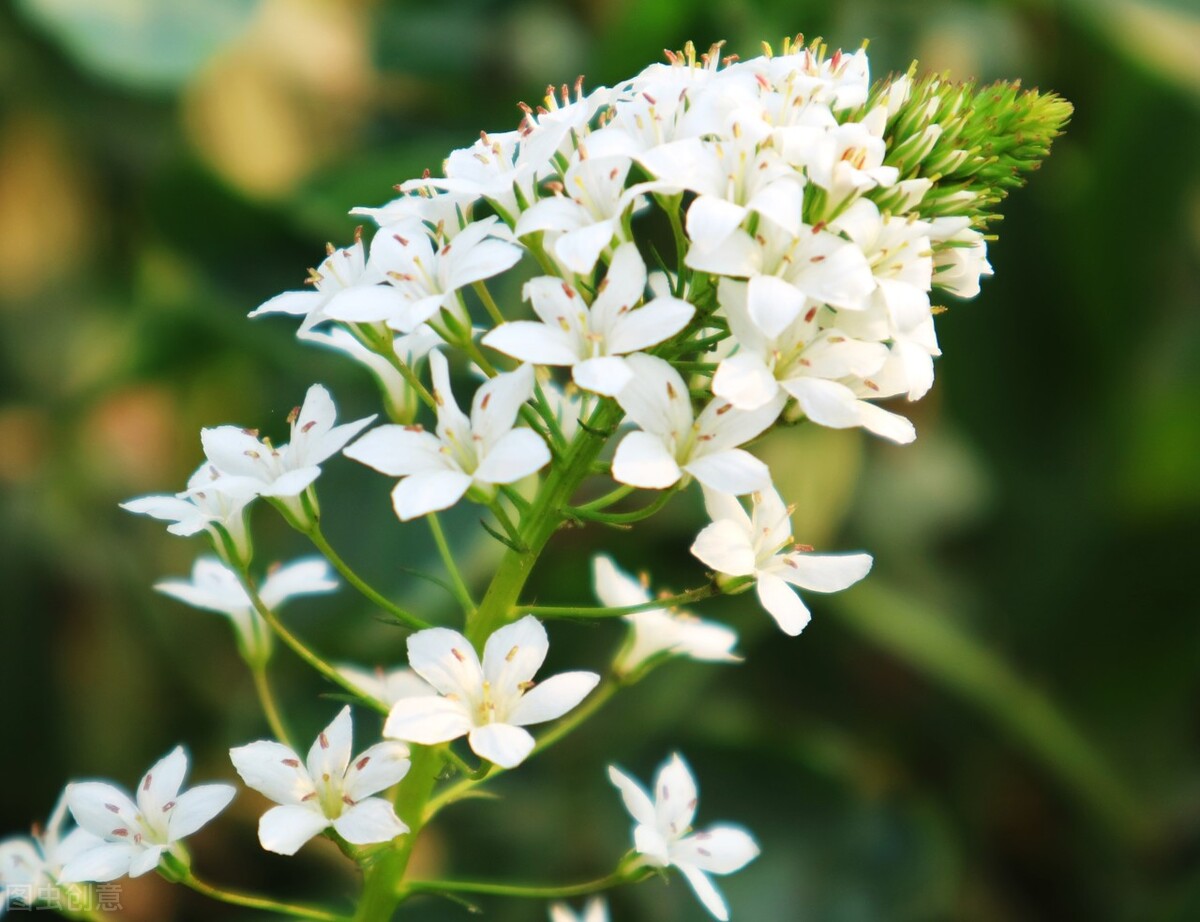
[[542, 520], [302, 650], [489, 303], [403, 615], [625, 518], [262, 685], [519, 890], [606, 500], [684, 598], [461, 590], [386, 348], [382, 891], [258, 902]]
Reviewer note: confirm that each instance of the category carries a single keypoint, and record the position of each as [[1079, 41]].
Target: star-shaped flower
[[30, 865], [663, 834], [137, 834], [591, 339], [437, 469], [330, 789], [737, 544], [491, 702]]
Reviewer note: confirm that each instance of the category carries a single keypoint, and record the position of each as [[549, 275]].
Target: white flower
[[489, 703], [844, 160], [484, 450], [583, 220], [658, 630], [287, 471], [737, 544], [331, 789], [663, 834], [422, 278], [672, 443], [591, 339], [596, 910], [215, 587], [386, 685], [201, 507], [487, 169], [827, 370], [30, 865], [440, 210], [343, 270], [136, 835]]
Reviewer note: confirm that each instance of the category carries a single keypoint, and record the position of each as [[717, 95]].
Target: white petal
[[615, 588], [726, 547], [196, 807], [160, 785], [826, 403], [329, 755], [145, 860], [447, 661], [366, 304], [274, 770], [825, 572], [503, 744], [657, 397], [735, 472], [745, 381], [783, 604], [297, 303], [283, 830], [675, 797], [514, 654], [481, 261], [650, 842], [774, 304], [891, 426], [717, 850], [648, 325], [579, 249], [369, 821], [642, 460], [497, 403], [301, 577], [432, 491], [101, 864], [516, 455], [533, 342], [399, 451], [781, 202], [710, 221], [606, 375], [552, 698], [427, 720], [705, 891], [101, 808], [376, 769], [636, 800]]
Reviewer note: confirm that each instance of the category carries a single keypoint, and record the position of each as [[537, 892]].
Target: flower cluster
[[706, 252]]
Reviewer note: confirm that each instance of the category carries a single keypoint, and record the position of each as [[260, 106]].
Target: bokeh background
[[1000, 724]]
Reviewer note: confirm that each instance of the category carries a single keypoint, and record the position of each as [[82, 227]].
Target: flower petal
[[533, 342], [782, 603], [273, 769], [825, 572], [428, 720], [369, 821], [637, 801], [503, 744], [606, 375], [726, 547], [101, 808], [145, 860], [552, 698], [642, 460], [283, 830], [675, 797], [431, 491], [735, 471], [745, 381], [705, 891], [648, 325], [100, 864], [515, 455], [329, 755], [376, 769], [447, 661], [717, 850], [196, 807], [160, 785], [399, 451]]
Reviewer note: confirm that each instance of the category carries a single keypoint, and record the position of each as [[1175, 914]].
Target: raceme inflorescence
[[711, 250]]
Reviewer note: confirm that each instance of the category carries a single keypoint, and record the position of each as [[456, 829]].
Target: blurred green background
[[999, 724]]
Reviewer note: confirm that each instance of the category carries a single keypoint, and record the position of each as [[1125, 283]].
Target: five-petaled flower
[[737, 544], [481, 451], [663, 834], [136, 834], [491, 702], [329, 789]]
